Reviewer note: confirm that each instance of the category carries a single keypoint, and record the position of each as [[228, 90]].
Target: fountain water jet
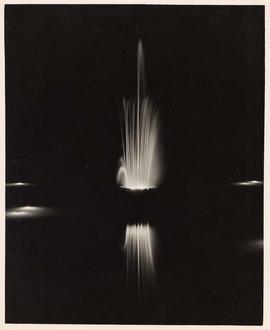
[[139, 249], [140, 164]]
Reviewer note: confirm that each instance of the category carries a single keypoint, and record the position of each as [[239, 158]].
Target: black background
[[67, 70]]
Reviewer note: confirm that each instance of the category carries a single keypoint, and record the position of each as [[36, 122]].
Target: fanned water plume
[[139, 167]]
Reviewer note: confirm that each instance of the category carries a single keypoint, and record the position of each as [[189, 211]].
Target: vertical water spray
[[139, 249], [140, 164]]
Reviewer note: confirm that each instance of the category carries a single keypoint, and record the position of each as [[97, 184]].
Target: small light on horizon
[[255, 245], [249, 183]]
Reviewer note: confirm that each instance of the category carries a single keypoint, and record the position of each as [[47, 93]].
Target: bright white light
[[249, 183], [138, 188], [18, 184], [30, 208], [139, 241], [28, 212], [140, 164], [15, 214]]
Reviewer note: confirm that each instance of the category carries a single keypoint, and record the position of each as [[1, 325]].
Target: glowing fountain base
[[139, 188]]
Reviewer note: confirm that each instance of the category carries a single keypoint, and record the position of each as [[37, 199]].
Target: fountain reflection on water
[[139, 249]]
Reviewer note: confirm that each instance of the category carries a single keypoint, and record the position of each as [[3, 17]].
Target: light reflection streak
[[248, 183], [28, 212], [18, 184]]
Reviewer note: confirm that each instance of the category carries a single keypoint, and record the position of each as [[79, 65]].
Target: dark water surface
[[69, 267]]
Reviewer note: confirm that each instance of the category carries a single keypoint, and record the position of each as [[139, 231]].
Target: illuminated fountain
[[139, 169], [140, 164]]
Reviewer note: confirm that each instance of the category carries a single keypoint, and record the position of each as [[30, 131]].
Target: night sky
[[68, 68]]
